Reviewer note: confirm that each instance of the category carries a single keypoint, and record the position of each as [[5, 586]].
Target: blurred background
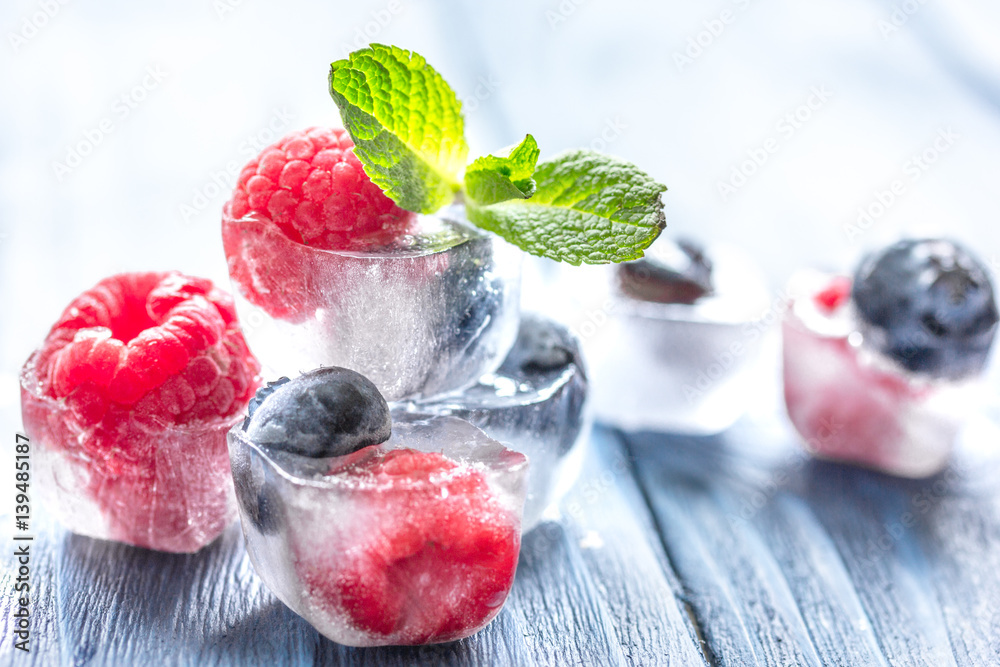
[[804, 132]]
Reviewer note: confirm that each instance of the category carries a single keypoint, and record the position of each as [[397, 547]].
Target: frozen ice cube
[[428, 314], [534, 404], [851, 403], [412, 541], [152, 485], [673, 366]]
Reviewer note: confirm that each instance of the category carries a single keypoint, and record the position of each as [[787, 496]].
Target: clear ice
[[311, 524], [429, 314], [534, 403], [850, 403], [170, 491], [675, 367]]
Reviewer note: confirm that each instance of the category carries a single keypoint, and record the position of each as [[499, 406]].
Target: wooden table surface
[[731, 550]]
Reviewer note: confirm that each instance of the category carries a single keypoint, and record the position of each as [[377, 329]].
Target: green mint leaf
[[406, 123], [588, 208], [492, 179]]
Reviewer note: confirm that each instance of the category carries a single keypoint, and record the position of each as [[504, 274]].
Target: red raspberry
[[308, 188], [436, 562], [834, 295], [133, 359], [312, 186]]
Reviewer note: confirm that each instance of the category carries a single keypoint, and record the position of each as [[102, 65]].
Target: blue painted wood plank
[[612, 527], [878, 570], [769, 557], [742, 600], [862, 512]]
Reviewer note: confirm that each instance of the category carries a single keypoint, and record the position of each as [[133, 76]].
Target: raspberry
[[306, 190], [312, 186], [121, 341], [133, 359], [834, 295], [436, 561]]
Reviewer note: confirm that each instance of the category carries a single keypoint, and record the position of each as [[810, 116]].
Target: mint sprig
[[587, 208], [406, 123], [490, 179], [408, 131]]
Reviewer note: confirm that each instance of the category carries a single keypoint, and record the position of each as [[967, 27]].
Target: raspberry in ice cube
[[129, 399]]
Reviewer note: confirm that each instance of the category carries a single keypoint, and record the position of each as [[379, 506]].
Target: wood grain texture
[[734, 550], [794, 561], [104, 603]]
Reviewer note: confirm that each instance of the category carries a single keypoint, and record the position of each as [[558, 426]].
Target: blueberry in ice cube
[[259, 397], [541, 346], [669, 273], [544, 353], [326, 412], [929, 305], [255, 492]]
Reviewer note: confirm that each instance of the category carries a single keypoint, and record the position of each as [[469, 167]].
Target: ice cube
[[413, 541], [534, 404], [428, 314], [673, 366], [851, 403], [151, 485]]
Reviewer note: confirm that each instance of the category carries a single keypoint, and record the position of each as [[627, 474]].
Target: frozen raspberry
[[162, 345], [848, 403], [312, 186], [306, 190], [131, 361], [437, 558]]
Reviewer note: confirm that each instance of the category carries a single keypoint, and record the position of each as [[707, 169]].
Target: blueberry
[[669, 273], [326, 412], [259, 397], [543, 350], [257, 496], [541, 346], [929, 305]]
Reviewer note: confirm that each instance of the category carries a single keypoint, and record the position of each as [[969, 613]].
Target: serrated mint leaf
[[493, 179], [406, 123], [588, 208]]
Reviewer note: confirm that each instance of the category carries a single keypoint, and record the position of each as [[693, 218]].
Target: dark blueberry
[[326, 412], [543, 350], [669, 273], [541, 346], [928, 304], [259, 397], [256, 494]]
